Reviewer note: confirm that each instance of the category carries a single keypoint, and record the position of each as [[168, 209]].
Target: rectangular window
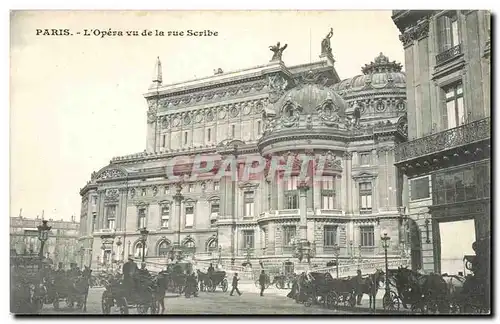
[[185, 138], [292, 183], [94, 200], [328, 192], [143, 192], [288, 235], [420, 188], [248, 239], [110, 217], [141, 220], [330, 235], [259, 127], [214, 208], [365, 197], [233, 131], [448, 36], [165, 216], [291, 199], [163, 140], [248, 199], [167, 189], [209, 135], [216, 186], [191, 188], [189, 216], [367, 236], [454, 110], [461, 185], [364, 158]]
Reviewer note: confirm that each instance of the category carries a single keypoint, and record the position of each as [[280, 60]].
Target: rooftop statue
[[325, 44], [278, 51]]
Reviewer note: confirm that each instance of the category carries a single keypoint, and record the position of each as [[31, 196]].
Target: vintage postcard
[[250, 162]]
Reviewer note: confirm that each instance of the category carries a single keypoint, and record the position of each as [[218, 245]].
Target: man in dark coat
[[262, 282], [359, 282], [129, 269], [235, 285]]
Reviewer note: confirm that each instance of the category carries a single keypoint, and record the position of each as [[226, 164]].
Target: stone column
[[338, 191], [178, 198], [280, 190], [348, 175], [303, 187]]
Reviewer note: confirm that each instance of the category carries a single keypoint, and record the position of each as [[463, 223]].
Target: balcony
[[474, 132], [449, 54]]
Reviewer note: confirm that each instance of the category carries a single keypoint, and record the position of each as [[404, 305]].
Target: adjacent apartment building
[[446, 160]]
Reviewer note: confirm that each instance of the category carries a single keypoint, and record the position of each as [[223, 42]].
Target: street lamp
[[118, 244], [385, 244], [43, 236], [404, 225], [144, 236], [249, 255], [359, 256], [336, 251], [82, 253]]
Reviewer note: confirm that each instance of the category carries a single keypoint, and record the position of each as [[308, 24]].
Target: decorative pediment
[[213, 198], [165, 203], [112, 194], [364, 175], [188, 239], [248, 185], [290, 112], [190, 202], [142, 204]]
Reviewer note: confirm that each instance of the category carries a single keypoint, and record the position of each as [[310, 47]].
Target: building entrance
[[456, 241]]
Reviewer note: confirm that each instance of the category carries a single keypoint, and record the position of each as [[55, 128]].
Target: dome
[[381, 73], [310, 97]]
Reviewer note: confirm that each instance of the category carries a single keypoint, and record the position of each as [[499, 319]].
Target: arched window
[[189, 246], [212, 245], [164, 248], [138, 250]]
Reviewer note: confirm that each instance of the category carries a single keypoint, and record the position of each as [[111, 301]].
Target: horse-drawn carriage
[[317, 288], [72, 289], [210, 281], [141, 294]]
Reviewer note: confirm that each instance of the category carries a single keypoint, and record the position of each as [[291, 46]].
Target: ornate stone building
[[446, 160], [62, 245], [266, 111]]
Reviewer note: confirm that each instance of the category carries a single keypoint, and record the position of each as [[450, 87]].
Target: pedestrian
[[235, 285], [262, 282]]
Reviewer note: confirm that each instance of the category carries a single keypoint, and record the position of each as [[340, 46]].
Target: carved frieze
[[416, 32], [328, 112], [290, 113], [111, 174]]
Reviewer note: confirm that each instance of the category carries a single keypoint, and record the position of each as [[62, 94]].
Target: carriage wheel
[[70, 302], [267, 284], [225, 285], [390, 301], [309, 301], [105, 305], [332, 299], [124, 306], [279, 284]]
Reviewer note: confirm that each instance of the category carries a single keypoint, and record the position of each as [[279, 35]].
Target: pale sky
[[77, 101]]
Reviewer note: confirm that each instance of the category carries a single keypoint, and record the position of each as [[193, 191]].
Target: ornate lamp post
[[144, 236], [385, 244], [103, 248], [404, 225], [336, 251], [43, 236], [118, 244], [359, 256], [82, 254]]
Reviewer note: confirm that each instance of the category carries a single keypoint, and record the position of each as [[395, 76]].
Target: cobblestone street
[[273, 302]]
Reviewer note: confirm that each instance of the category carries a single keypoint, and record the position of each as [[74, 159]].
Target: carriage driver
[[359, 282], [129, 269]]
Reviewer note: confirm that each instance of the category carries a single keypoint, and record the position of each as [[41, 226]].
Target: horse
[[159, 288], [203, 280], [421, 290], [369, 286]]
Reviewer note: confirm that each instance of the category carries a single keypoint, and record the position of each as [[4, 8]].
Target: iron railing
[[449, 54], [462, 135]]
